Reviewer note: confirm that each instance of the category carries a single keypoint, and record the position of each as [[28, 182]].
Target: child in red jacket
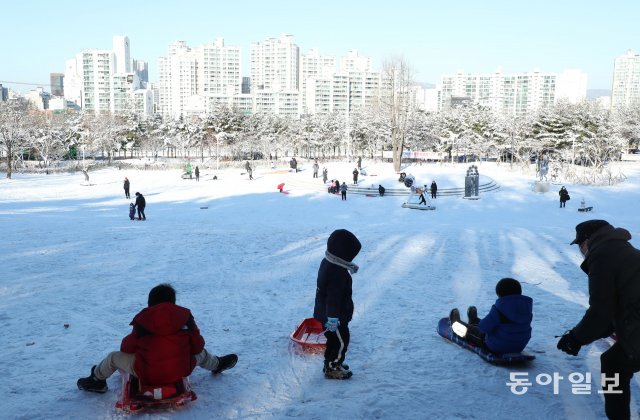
[[164, 346]]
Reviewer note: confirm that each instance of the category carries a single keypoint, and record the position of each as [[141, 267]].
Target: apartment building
[[625, 89], [102, 81], [512, 94], [212, 72]]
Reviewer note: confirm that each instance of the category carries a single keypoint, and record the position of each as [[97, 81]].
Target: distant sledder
[[411, 203]]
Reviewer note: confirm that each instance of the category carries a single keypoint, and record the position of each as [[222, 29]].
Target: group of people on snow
[[611, 263]]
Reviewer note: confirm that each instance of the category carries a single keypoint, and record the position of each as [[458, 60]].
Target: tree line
[[581, 134]]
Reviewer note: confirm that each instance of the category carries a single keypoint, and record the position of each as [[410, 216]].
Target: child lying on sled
[[507, 327], [164, 346]]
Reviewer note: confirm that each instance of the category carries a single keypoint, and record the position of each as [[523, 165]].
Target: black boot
[[93, 384], [225, 362], [472, 313], [454, 315]]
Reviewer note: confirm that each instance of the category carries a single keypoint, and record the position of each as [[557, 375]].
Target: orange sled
[[310, 335]]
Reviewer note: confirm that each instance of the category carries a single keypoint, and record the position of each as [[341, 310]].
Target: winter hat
[[508, 286], [343, 244], [162, 293], [586, 229], [137, 193]]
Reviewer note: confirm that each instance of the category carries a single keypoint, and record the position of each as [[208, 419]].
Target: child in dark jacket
[[333, 304], [164, 346], [132, 211], [507, 327]]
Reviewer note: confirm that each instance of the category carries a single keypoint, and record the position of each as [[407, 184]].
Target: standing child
[[164, 346], [333, 304], [132, 211], [507, 327]]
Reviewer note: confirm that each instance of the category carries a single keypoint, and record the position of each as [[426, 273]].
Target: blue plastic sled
[[444, 329]]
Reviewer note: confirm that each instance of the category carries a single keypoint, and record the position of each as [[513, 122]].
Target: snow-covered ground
[[244, 259]]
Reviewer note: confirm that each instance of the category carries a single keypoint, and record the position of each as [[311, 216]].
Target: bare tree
[[14, 130], [395, 103]]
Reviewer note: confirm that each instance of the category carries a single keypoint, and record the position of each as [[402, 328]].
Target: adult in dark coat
[[141, 203], [613, 267], [126, 187], [434, 189], [564, 196], [355, 176], [197, 171], [381, 190], [333, 304]]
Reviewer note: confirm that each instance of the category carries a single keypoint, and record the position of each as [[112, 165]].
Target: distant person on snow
[[315, 169], [564, 196], [141, 203], [381, 190], [343, 190], [325, 175], [126, 187], [355, 176], [423, 200], [507, 327], [132, 211], [333, 304], [164, 346], [197, 171], [434, 189]]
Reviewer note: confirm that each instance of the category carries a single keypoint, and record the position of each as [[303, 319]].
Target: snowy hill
[[244, 259]]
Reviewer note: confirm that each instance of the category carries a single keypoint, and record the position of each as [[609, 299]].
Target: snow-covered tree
[[15, 123]]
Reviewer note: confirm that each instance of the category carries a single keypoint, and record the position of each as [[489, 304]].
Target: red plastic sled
[[136, 397], [309, 335]]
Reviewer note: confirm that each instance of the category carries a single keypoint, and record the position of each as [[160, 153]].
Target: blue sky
[[435, 38]]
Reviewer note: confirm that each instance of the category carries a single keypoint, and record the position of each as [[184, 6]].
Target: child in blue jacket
[[507, 327]]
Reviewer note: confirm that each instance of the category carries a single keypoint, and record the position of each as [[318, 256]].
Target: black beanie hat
[[162, 293], [508, 286], [343, 244]]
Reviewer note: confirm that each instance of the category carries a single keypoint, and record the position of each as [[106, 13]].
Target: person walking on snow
[[612, 265], [355, 176], [564, 196], [325, 175], [434, 189], [381, 190], [164, 346], [343, 190], [126, 187], [141, 203], [423, 200], [197, 174], [333, 303], [315, 169]]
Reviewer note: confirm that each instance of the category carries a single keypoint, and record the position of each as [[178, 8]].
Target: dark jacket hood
[[343, 244], [517, 308], [602, 235], [163, 318]]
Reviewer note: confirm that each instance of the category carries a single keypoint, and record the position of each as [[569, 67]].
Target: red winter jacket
[[165, 339]]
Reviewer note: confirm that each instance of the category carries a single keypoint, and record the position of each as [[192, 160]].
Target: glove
[[569, 344], [332, 324]]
